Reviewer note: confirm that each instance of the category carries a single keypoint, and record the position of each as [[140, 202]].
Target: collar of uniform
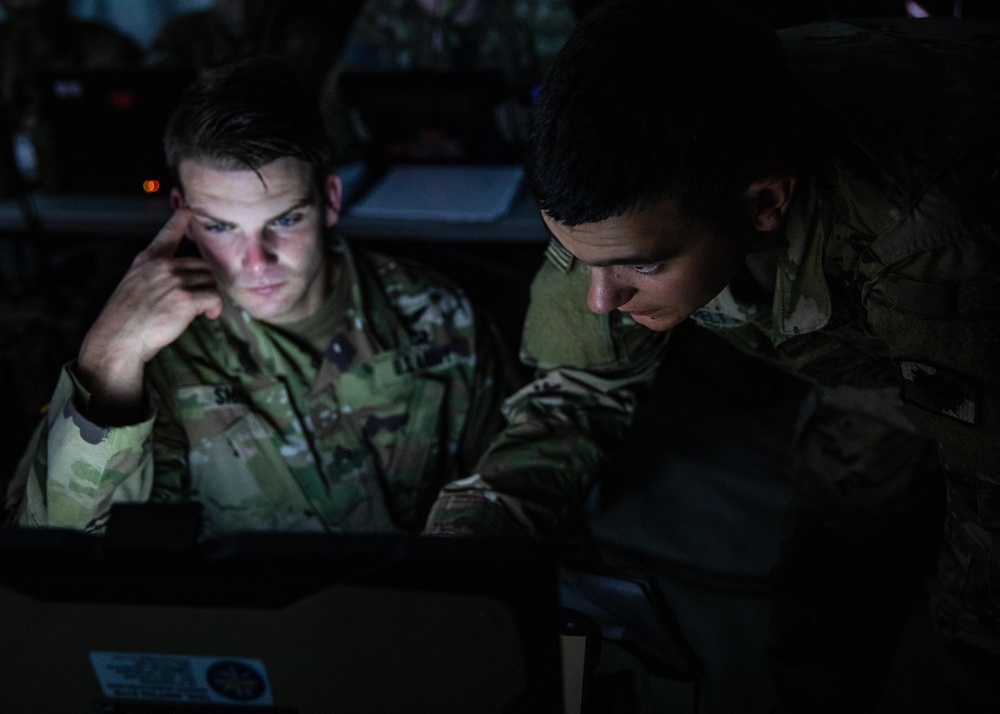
[[354, 301], [802, 300], [725, 311], [354, 339]]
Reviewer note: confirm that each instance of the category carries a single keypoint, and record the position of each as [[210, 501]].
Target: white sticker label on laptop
[[182, 679]]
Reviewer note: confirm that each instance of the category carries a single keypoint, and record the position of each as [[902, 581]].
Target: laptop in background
[[439, 145], [429, 116], [104, 128], [279, 623]]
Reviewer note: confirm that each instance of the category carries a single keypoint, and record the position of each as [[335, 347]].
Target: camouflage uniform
[[268, 432], [541, 467], [885, 294]]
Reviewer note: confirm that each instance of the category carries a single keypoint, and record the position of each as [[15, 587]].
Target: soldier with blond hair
[[276, 375]]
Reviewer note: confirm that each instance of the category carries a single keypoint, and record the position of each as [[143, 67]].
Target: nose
[[607, 292], [259, 254]]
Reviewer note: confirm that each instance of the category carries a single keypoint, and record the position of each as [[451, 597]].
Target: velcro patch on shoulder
[[559, 256], [939, 391]]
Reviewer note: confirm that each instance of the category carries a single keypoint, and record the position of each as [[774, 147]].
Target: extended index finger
[[166, 241]]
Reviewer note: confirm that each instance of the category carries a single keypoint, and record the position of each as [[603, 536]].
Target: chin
[[657, 323], [266, 310], [652, 323]]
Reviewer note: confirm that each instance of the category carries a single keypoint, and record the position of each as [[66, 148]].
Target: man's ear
[[770, 197], [176, 199], [333, 194]]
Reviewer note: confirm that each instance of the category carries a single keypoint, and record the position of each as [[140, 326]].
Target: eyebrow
[[627, 260], [305, 201]]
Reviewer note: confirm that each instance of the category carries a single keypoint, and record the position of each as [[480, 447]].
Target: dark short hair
[[245, 115], [659, 99]]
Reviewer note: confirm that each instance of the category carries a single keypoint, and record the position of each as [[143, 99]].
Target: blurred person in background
[[40, 35]]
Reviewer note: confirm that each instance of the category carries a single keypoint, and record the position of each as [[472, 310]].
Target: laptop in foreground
[[279, 623]]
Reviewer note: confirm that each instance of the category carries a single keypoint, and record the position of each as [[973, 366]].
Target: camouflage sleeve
[[170, 444], [495, 379], [936, 304], [74, 469], [458, 512], [590, 368]]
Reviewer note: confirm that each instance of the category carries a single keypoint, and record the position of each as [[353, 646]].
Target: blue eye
[[216, 227], [288, 221]]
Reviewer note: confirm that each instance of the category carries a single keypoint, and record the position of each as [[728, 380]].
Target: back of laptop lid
[[453, 116], [278, 624]]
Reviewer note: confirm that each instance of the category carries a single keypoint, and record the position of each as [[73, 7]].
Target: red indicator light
[[151, 186], [122, 99]]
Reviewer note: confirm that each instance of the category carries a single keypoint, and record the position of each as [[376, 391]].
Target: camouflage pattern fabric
[[268, 433], [887, 283], [861, 536], [590, 368], [891, 272]]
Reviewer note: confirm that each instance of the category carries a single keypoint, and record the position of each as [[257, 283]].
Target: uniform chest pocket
[[394, 404], [209, 410], [227, 440], [235, 460], [399, 406]]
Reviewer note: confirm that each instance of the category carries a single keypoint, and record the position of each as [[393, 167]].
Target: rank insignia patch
[[938, 391], [559, 256]]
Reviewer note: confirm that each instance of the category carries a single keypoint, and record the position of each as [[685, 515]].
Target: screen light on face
[[151, 186]]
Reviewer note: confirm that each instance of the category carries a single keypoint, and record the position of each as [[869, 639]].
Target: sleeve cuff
[[79, 397]]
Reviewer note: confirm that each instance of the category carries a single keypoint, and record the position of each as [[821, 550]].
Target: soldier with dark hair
[[827, 200], [278, 377]]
